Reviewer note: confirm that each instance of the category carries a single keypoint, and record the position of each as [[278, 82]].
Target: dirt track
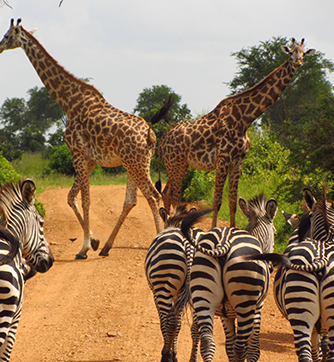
[[101, 309]]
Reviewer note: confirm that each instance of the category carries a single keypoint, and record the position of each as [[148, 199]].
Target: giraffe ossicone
[[96, 133]]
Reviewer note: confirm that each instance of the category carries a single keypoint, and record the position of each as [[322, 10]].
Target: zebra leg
[[302, 303], [195, 339], [168, 325], [207, 294], [229, 328], [253, 353], [315, 349]]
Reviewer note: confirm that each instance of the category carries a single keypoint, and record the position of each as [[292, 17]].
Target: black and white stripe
[[303, 287], [21, 224], [167, 267], [223, 284]]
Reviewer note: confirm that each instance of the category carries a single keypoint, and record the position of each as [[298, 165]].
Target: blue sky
[[125, 46]]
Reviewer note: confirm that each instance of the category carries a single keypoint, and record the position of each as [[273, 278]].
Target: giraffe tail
[[163, 111], [158, 183]]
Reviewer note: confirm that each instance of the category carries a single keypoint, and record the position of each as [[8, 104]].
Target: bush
[[7, 172], [60, 161]]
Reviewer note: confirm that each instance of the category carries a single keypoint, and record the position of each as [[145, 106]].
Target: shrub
[[60, 161], [7, 172]]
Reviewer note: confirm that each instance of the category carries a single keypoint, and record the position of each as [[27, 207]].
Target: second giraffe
[[219, 141]]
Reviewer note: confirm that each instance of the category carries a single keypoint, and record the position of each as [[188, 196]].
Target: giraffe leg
[[221, 175], [234, 177], [81, 183], [129, 203], [152, 196], [171, 194]]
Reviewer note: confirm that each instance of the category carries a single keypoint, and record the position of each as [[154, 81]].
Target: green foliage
[[43, 111], [24, 123], [13, 114], [10, 145], [7, 172], [32, 139], [60, 161], [150, 101], [198, 185]]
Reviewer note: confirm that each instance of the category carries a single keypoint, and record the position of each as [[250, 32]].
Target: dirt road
[[101, 309]]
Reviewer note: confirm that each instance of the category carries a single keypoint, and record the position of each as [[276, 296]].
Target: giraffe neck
[[245, 107], [67, 90]]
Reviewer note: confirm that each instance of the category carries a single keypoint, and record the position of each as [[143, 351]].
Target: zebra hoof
[[81, 257], [95, 244], [104, 252]]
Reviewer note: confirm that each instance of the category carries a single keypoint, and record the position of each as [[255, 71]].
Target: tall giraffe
[[219, 141], [96, 133]]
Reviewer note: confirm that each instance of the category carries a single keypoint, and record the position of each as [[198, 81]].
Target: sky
[[125, 46]]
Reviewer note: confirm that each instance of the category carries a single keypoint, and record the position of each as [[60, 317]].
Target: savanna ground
[[101, 308]]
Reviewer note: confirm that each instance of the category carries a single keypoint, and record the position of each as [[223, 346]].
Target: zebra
[[303, 287], [167, 268], [223, 285], [21, 236]]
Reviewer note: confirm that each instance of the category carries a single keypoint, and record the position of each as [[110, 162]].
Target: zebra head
[[321, 216], [20, 216], [260, 214]]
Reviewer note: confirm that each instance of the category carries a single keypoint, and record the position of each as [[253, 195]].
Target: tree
[[25, 123], [13, 114], [150, 101], [43, 111], [308, 86]]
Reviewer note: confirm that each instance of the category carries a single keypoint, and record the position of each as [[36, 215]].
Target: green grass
[[32, 165]]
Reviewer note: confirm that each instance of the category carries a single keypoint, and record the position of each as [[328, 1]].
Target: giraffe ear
[[31, 31], [286, 49], [309, 52]]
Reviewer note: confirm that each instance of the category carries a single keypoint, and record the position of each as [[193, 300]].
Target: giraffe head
[[13, 38], [297, 52]]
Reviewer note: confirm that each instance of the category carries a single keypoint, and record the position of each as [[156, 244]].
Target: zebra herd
[[225, 272]]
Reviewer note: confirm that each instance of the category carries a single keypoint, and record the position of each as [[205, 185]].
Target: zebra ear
[[163, 214], [271, 209], [244, 208], [28, 190], [309, 198]]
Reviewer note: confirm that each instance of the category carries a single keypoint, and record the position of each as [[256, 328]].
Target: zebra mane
[[322, 209], [257, 205], [10, 193], [180, 213]]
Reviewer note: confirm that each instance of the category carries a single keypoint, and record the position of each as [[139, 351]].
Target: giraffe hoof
[[81, 257], [95, 244], [104, 252]]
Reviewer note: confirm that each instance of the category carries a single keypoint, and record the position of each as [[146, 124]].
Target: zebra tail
[[278, 259], [191, 219], [14, 245], [275, 258], [158, 183], [182, 300]]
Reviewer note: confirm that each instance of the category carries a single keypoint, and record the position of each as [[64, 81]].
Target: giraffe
[[96, 133], [218, 141]]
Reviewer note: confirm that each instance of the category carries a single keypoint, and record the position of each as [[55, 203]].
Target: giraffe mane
[[54, 61]]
